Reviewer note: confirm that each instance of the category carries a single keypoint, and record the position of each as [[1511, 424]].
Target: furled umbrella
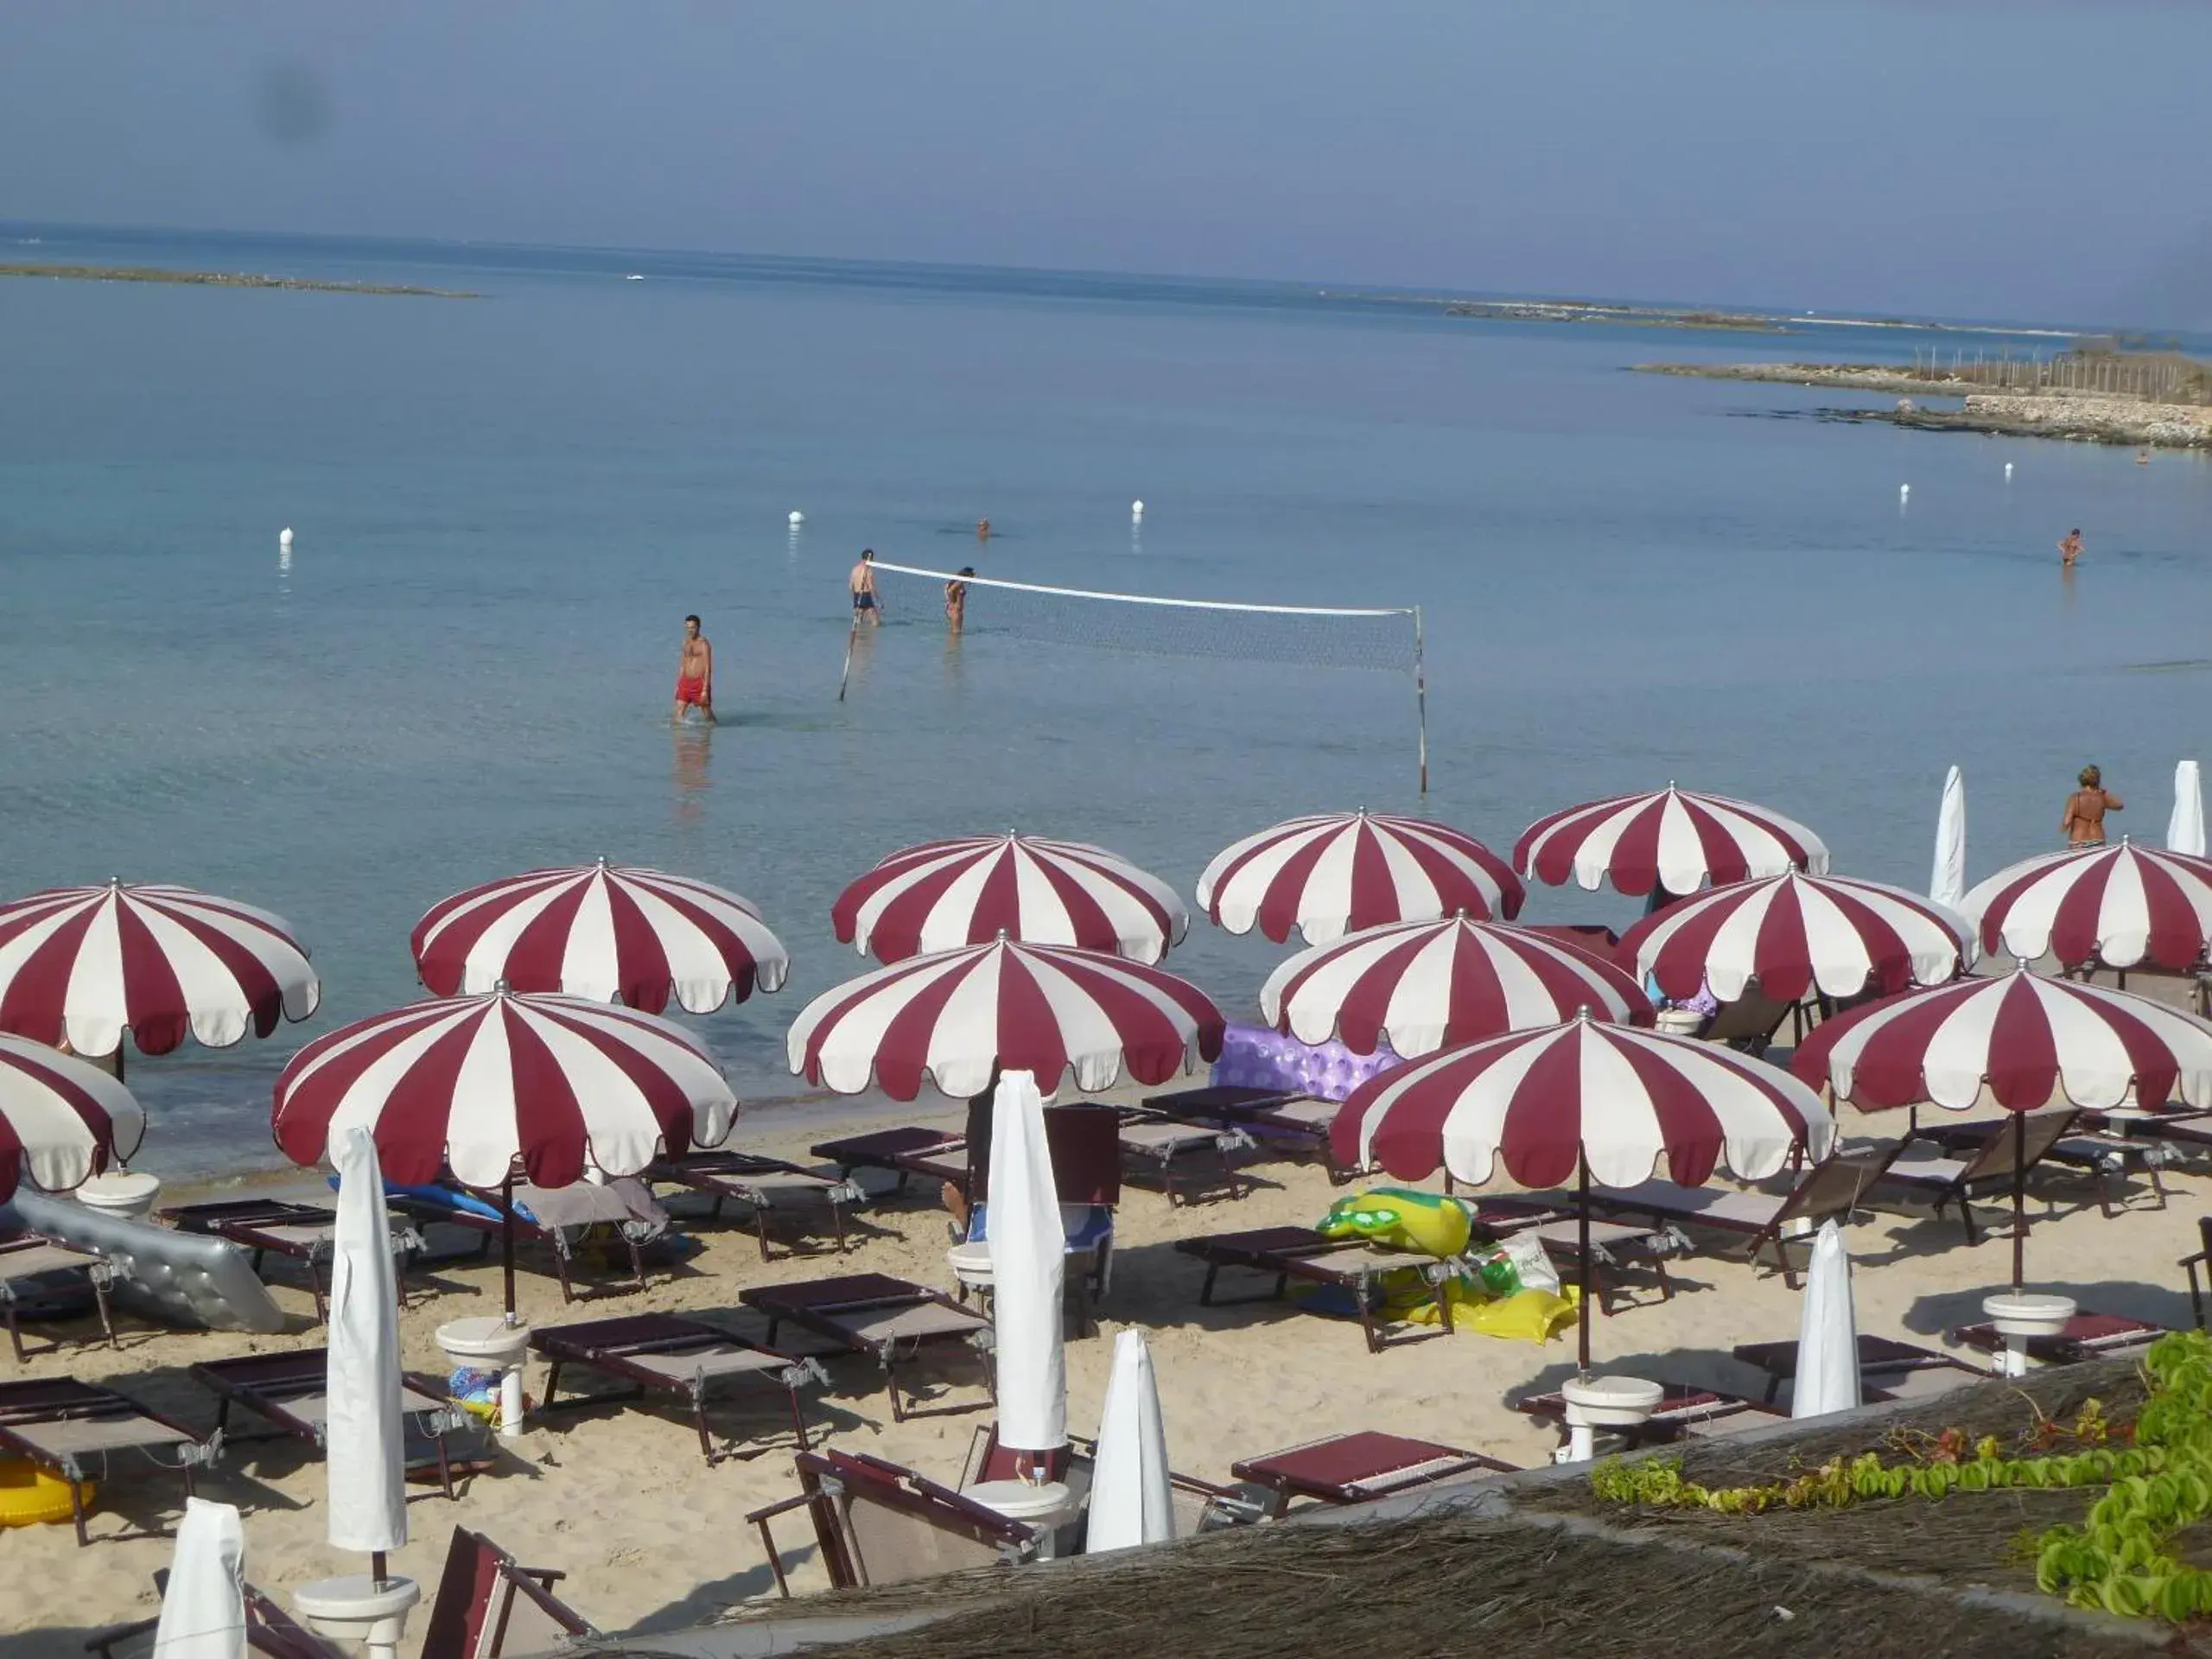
[[945, 894], [1946, 880], [2186, 828], [2118, 906], [85, 964], [364, 1437], [604, 932], [63, 1119], [957, 1017], [1582, 1100], [1335, 872], [1827, 1332], [493, 1085], [203, 1604], [1029, 1252], [2019, 1040], [1672, 840], [1423, 985], [1795, 934], [1132, 1493]]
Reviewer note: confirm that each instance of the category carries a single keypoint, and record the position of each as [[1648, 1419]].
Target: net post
[[1421, 699]]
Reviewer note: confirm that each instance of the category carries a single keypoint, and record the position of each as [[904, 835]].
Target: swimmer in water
[[955, 601], [2070, 550], [982, 530]]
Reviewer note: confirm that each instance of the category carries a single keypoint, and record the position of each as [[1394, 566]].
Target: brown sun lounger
[[1182, 1160], [1888, 1368], [487, 1605], [937, 1155], [1360, 1467], [877, 1524], [888, 1321], [39, 1278], [2085, 1335], [1941, 1164], [1685, 1412], [2104, 1155], [305, 1233], [80, 1431], [766, 1186], [1300, 1253], [625, 1204], [670, 1354], [1290, 1126], [290, 1390], [270, 1631]]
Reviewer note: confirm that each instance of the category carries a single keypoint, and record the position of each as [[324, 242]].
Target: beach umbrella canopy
[[1585, 1100], [1947, 882], [1132, 1494], [1048, 1010], [1827, 1332], [1028, 1249], [2185, 828], [363, 1437], [85, 964], [1671, 839], [1420, 986], [2119, 905], [945, 894], [1796, 933], [1335, 872], [602, 931], [63, 1119], [203, 1605]]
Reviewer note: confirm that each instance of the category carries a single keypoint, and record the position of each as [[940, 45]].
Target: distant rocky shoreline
[[223, 279]]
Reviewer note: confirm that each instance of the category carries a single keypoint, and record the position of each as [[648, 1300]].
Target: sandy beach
[[652, 1539]]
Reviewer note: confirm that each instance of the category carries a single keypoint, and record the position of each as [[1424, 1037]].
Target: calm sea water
[[505, 506]]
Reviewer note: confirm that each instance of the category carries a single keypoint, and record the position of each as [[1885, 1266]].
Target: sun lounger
[[1888, 1368], [2107, 1156], [1183, 1159], [1199, 1505], [877, 1524], [764, 1186], [1294, 1127], [78, 1431], [2189, 1264], [1089, 1251], [1300, 1253], [264, 1227], [1685, 1412], [546, 1215], [937, 1155], [669, 1354], [1831, 1188], [1615, 1246], [1750, 1023], [270, 1631], [487, 1605], [1951, 1176], [40, 1279], [2085, 1335], [288, 1390], [1359, 1468], [888, 1321]]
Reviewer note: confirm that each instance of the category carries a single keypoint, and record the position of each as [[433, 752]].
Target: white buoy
[[1136, 509], [285, 536], [2008, 469], [1903, 491], [799, 517]]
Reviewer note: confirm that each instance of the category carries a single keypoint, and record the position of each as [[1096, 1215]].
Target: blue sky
[[1962, 156]]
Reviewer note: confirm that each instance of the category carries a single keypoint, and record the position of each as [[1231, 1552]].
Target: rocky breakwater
[[2092, 420]]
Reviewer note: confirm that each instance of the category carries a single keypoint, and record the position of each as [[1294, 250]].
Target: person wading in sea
[[694, 674], [955, 601], [2084, 823], [2070, 550], [862, 583]]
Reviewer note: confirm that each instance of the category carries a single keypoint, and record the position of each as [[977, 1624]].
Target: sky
[[1986, 158]]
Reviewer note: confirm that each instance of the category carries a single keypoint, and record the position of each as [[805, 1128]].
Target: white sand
[[651, 1538]]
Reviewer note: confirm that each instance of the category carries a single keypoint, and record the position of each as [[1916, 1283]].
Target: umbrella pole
[[1582, 1221], [2019, 1195], [508, 1240], [376, 1567]]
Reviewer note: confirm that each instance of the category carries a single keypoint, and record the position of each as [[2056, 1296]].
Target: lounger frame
[[815, 1305], [612, 1347], [55, 1400]]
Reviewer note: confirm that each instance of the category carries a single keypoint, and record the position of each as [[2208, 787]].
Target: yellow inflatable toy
[[31, 1497], [1489, 1297], [1429, 1223]]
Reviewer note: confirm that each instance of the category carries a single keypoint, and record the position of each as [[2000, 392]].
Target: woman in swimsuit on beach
[[955, 600], [2084, 823]]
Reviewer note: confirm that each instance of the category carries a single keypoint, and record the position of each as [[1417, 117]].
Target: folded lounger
[[290, 1390], [888, 1321], [1300, 1253], [299, 1232], [1951, 1176], [877, 1524], [1888, 1368], [670, 1354], [488, 1607], [40, 1278], [544, 1215], [270, 1631], [1685, 1412], [766, 1186], [2085, 1335], [1360, 1467], [78, 1431]]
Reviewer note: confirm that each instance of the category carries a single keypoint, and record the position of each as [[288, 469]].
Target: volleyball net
[[1379, 639]]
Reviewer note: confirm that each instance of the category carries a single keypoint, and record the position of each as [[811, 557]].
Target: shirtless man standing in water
[[862, 583], [694, 674]]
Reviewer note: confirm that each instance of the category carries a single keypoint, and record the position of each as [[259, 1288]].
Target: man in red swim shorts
[[694, 674]]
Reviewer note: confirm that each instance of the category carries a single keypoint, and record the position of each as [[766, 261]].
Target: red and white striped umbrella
[[480, 1083], [2022, 1040], [1422, 985], [62, 1120], [602, 931], [85, 964], [1792, 932], [2118, 906], [945, 894], [1671, 838], [1048, 1010], [1335, 872]]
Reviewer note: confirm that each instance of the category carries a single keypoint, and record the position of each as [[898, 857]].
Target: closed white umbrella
[[1132, 1501], [1948, 884], [203, 1609], [1028, 1247], [1828, 1336], [364, 1439], [2185, 830]]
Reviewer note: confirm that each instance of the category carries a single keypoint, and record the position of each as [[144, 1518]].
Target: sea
[[503, 506]]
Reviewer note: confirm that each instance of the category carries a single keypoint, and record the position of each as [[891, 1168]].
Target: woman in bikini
[[2084, 823], [955, 600]]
